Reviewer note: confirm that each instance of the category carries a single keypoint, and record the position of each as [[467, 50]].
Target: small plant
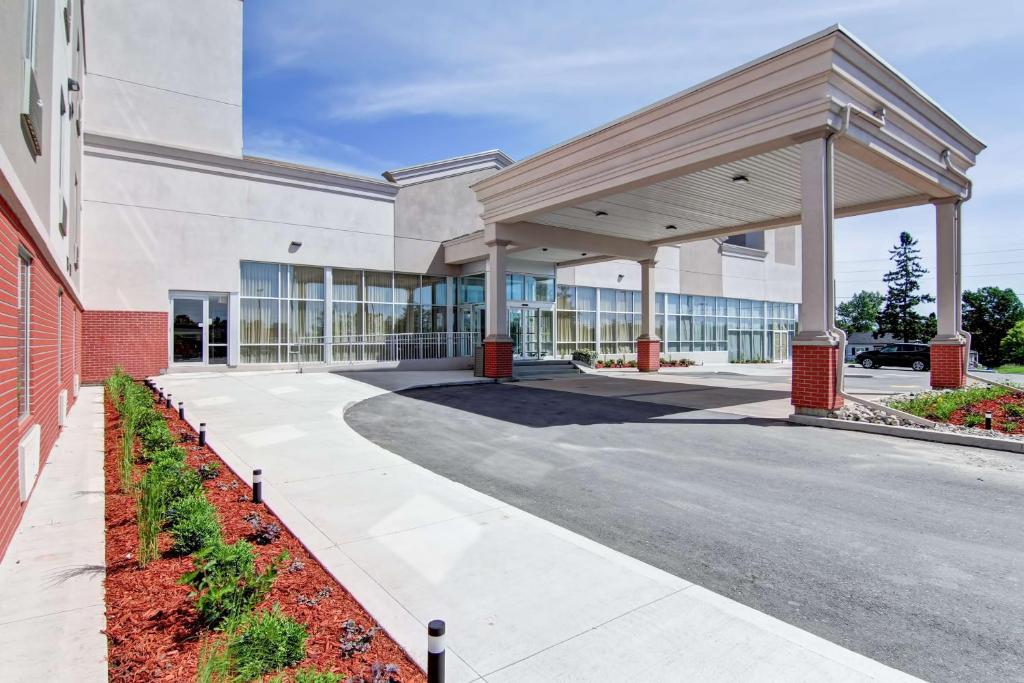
[[214, 661], [632, 363], [225, 582], [174, 453], [314, 676], [295, 567], [973, 420], [149, 514], [355, 639], [267, 642], [380, 673], [1009, 426], [320, 596], [209, 470], [194, 523], [264, 533], [156, 436]]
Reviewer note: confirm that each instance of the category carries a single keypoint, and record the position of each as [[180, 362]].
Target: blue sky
[[365, 88]]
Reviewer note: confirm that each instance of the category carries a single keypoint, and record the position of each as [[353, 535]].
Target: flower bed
[[154, 630], [967, 407], [622, 363]]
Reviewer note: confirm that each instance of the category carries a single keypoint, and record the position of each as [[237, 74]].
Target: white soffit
[[709, 199]]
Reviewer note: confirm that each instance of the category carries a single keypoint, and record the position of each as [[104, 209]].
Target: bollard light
[[988, 420], [170, 403], [202, 433], [435, 651], [181, 410], [257, 486]]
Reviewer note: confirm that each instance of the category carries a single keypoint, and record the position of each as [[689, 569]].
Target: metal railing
[[381, 348]]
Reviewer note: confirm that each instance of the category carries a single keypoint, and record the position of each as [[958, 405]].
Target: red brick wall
[[947, 366], [497, 359], [44, 384], [134, 340], [648, 355], [814, 377]]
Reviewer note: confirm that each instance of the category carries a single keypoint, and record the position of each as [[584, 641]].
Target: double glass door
[[531, 331], [199, 329]]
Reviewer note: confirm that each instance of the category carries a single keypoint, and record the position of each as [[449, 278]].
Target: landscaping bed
[[159, 628], [964, 410]]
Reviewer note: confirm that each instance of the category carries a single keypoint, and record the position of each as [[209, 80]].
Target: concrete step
[[544, 369]]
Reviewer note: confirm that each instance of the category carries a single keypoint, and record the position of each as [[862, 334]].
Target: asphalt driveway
[[907, 552]]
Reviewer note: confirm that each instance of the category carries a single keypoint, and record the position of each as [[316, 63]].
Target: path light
[[181, 410], [170, 403], [202, 433], [435, 651], [988, 420], [257, 486]]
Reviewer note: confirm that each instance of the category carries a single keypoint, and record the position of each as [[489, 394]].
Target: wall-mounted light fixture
[[294, 246], [621, 276], [73, 85]]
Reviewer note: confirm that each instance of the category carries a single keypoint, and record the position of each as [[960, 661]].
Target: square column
[[949, 347], [648, 344], [497, 343], [816, 361]]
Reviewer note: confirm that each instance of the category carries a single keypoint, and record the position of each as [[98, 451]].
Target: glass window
[[673, 303], [659, 303], [733, 308], [685, 304], [260, 323], [306, 282], [515, 287], [379, 318], [586, 299], [566, 299], [24, 333], [347, 285], [347, 319], [405, 287], [607, 299], [471, 289], [378, 287], [260, 279], [544, 288]]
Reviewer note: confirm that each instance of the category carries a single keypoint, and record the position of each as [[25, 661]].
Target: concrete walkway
[[51, 579], [525, 600]]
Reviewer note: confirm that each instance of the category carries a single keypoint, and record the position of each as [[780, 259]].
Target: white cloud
[[302, 147]]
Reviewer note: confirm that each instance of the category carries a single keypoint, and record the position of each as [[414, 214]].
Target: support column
[[497, 343], [949, 347], [648, 344], [816, 361]]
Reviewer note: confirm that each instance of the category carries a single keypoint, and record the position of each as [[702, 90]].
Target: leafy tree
[[989, 314], [1012, 346], [860, 313], [899, 316]]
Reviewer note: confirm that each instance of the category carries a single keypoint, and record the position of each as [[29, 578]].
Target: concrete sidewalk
[[525, 600], [51, 579]]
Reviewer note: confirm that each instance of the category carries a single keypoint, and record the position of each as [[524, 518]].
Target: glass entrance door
[[187, 337], [531, 331], [199, 329]]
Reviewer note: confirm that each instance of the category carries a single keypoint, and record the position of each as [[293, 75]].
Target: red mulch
[[152, 632], [997, 407]]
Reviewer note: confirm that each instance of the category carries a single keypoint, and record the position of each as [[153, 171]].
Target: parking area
[[904, 551]]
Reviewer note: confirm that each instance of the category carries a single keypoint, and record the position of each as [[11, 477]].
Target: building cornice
[[493, 159], [256, 169]]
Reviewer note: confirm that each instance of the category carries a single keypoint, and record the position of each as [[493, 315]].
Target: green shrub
[[588, 356], [266, 642], [973, 420], [314, 676], [149, 513], [225, 582], [178, 480], [1014, 409], [194, 523], [1010, 426], [209, 470], [173, 454], [156, 436]]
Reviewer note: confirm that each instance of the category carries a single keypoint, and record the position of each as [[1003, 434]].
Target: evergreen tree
[[899, 316], [989, 314]]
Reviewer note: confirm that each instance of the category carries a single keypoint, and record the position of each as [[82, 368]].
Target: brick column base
[[948, 368], [498, 359], [648, 355], [814, 389]]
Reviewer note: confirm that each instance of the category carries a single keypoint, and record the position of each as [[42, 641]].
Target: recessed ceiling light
[[600, 213], [740, 179], [543, 248], [671, 227], [583, 254]]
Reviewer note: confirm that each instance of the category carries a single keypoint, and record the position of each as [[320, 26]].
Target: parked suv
[[916, 356]]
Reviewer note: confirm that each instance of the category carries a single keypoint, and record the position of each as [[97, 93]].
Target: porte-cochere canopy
[[818, 129]]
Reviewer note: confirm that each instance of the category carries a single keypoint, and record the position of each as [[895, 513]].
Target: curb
[[911, 433]]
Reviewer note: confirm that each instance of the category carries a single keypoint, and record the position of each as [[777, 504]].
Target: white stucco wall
[[166, 72], [151, 228]]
